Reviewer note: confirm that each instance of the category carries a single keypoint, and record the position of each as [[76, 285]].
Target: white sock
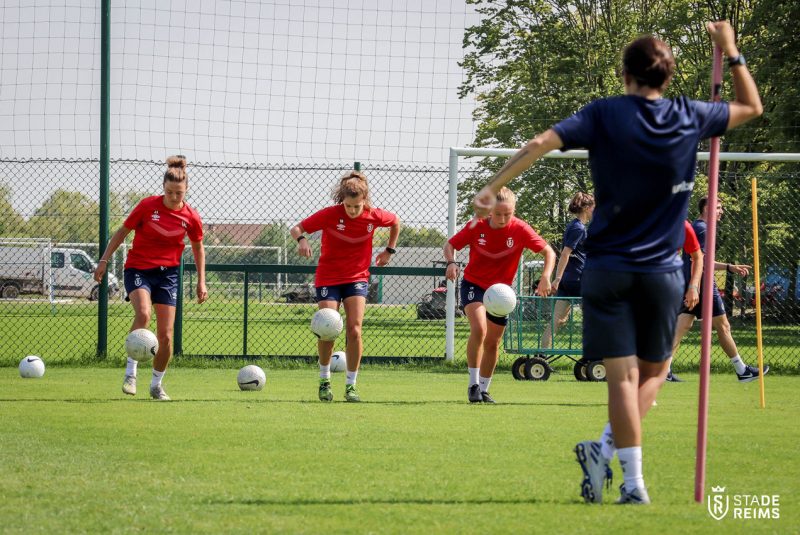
[[130, 368], [325, 371], [157, 376], [631, 461], [351, 377], [739, 364], [607, 448], [473, 375], [484, 382]]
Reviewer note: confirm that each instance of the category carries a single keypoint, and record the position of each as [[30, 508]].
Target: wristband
[[693, 287], [736, 60], [301, 237], [451, 262], [728, 268], [390, 250], [102, 260]]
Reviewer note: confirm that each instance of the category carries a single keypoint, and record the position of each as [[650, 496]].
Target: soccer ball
[[141, 345], [251, 378], [326, 324], [499, 300], [339, 361], [31, 367]]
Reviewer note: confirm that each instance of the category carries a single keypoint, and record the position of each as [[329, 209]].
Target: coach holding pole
[[642, 156]]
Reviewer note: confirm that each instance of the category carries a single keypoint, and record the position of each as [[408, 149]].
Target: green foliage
[[11, 223]]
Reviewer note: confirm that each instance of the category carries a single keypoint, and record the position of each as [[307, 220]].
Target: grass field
[[415, 457]]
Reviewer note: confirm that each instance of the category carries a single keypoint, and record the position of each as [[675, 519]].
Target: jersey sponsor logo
[[683, 186], [340, 225], [324, 291], [482, 239], [510, 242], [370, 227], [155, 216]]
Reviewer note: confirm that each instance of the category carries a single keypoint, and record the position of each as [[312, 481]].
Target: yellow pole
[[757, 276]]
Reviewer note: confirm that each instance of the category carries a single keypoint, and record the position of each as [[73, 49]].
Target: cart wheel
[[580, 370], [518, 368], [596, 371], [536, 369]]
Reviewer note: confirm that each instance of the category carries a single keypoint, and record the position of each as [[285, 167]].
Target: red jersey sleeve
[[195, 231], [384, 218], [135, 217], [461, 238], [690, 242], [316, 221], [533, 241]]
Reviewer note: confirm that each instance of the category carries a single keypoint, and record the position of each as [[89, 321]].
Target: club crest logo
[[183, 224], [370, 227], [718, 503], [324, 291], [510, 242], [471, 293], [137, 280]]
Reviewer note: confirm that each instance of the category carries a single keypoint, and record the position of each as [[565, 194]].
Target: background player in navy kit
[[642, 156], [495, 247], [570, 263], [719, 320]]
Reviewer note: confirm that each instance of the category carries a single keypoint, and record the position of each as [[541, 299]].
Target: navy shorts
[[569, 289], [472, 293], [161, 283], [717, 306], [340, 292], [630, 314]]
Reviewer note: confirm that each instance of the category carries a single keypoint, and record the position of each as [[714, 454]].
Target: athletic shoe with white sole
[[157, 393], [325, 392], [635, 497], [596, 472], [351, 394], [129, 385], [751, 374]]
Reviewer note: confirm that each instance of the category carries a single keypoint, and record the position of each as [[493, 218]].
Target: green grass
[[415, 457]]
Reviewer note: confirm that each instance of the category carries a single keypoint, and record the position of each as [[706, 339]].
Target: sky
[[237, 81]]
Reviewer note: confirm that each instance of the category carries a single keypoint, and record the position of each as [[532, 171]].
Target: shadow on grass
[[381, 501]]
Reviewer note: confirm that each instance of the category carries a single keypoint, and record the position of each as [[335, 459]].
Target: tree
[[11, 222], [67, 216]]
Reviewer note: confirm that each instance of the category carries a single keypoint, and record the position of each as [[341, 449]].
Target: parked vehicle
[[38, 267]]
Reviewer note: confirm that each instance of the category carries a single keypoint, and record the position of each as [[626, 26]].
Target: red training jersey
[[690, 242], [494, 253], [159, 233], [346, 251]]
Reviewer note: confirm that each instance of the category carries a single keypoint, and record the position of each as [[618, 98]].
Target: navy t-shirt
[[574, 236], [700, 228], [642, 157]]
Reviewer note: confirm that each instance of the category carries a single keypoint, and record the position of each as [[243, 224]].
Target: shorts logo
[[471, 293], [155, 216], [174, 295], [340, 225], [137, 280], [324, 291], [370, 227], [359, 286], [510, 242]]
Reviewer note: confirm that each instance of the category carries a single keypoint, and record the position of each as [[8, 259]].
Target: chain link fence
[[49, 226]]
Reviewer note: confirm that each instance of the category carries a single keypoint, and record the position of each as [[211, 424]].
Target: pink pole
[[708, 284]]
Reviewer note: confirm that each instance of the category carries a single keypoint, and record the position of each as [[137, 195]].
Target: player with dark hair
[[642, 156], [342, 274], [719, 320], [160, 224]]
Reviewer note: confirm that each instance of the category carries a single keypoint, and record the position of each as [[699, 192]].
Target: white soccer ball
[[141, 345], [499, 300], [339, 362], [251, 378], [31, 367], [326, 324]]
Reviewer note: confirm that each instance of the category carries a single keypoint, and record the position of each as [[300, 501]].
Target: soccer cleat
[[637, 496], [351, 394], [157, 393], [596, 471], [474, 394], [129, 385], [486, 398], [672, 378], [325, 393], [751, 374]]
